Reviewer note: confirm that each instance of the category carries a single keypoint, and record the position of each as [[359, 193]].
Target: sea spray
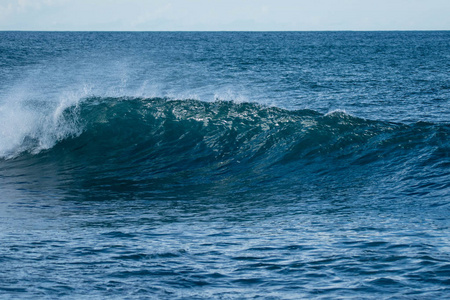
[[34, 126]]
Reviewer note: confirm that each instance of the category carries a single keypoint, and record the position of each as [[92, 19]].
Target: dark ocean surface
[[225, 165]]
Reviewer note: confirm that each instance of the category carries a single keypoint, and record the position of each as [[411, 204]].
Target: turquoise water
[[225, 165]]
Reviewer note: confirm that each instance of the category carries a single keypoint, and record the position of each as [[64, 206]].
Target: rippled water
[[225, 165]]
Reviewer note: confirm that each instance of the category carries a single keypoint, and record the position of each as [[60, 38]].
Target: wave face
[[134, 144]]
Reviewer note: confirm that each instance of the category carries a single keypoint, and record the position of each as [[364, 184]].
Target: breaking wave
[[139, 140]]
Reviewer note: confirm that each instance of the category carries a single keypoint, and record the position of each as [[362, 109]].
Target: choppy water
[[225, 165]]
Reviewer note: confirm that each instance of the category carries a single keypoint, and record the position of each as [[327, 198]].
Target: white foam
[[32, 125], [337, 112]]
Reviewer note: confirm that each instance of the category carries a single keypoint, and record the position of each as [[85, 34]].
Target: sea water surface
[[224, 165]]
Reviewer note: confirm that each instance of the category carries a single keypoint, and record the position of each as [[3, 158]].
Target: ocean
[[225, 165]]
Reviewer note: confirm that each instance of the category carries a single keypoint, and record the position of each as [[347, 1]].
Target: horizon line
[[328, 30]]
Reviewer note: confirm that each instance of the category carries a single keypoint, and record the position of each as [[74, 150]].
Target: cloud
[[17, 8], [23, 5], [149, 15]]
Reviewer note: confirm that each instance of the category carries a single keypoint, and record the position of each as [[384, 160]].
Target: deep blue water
[[279, 165]]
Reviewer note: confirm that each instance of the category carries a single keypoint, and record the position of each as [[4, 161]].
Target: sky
[[220, 15]]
